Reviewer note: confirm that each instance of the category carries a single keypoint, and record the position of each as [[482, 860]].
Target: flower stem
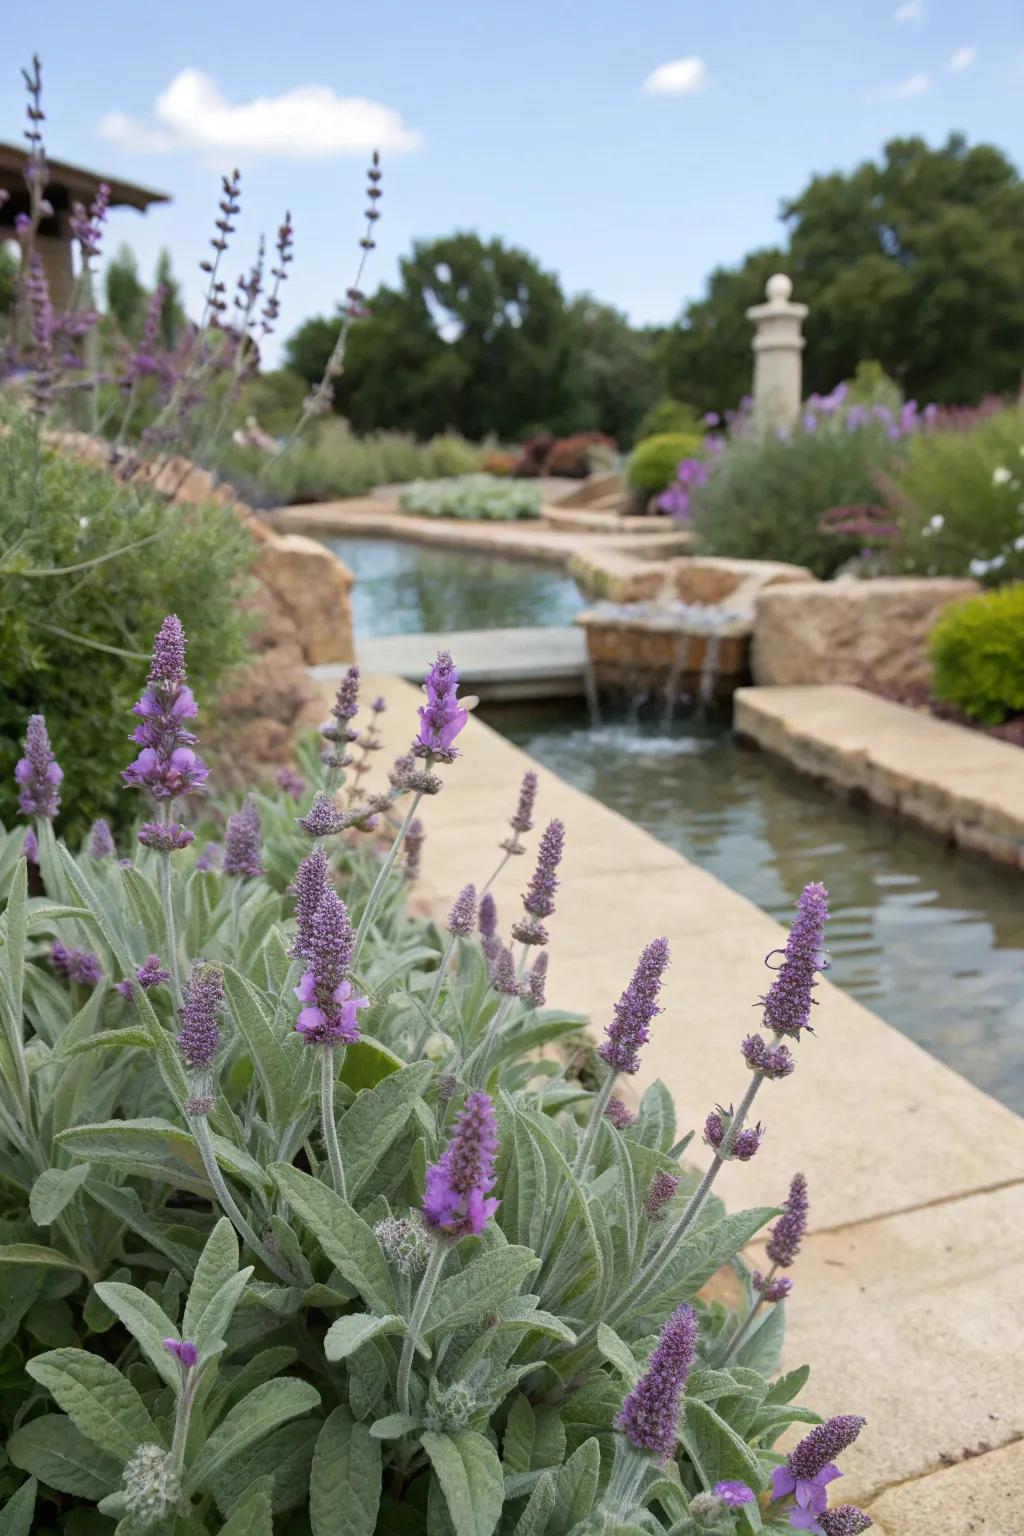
[[226, 1200], [182, 1416], [424, 1296], [167, 891], [373, 900], [435, 993], [329, 1124], [744, 1329], [598, 1105]]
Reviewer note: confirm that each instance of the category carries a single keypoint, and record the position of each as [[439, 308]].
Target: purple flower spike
[[165, 837], [635, 1011], [77, 965], [167, 667], [824, 1443], [344, 708], [412, 850], [462, 916], [651, 1411], [151, 973], [539, 896], [167, 766], [810, 1467], [662, 1190], [537, 980], [455, 1202], [30, 846], [487, 922], [620, 1115], [734, 1494], [772, 1061], [716, 1129], [323, 819], [38, 773], [330, 1015], [312, 882], [291, 782], [442, 717], [772, 1290], [186, 1352], [844, 1520], [522, 818], [199, 1037], [787, 1005], [242, 843], [788, 1232], [503, 972], [101, 843]]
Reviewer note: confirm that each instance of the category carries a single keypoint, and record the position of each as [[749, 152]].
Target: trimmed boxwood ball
[[653, 463], [978, 655]]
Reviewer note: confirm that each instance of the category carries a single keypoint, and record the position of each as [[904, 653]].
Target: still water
[[405, 589], [930, 938]]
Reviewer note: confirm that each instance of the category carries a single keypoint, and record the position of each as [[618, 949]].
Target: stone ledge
[[958, 783], [980, 1497]]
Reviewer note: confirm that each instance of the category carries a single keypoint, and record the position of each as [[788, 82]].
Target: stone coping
[[962, 784], [916, 1177], [529, 540]]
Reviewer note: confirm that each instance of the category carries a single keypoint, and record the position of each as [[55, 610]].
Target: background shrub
[[578, 456], [669, 415], [978, 655], [472, 498], [71, 644], [958, 498], [653, 464]]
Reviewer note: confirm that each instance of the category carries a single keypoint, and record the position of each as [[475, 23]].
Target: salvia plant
[[315, 1214]]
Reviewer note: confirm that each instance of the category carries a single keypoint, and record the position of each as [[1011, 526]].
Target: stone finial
[[778, 364], [778, 288]]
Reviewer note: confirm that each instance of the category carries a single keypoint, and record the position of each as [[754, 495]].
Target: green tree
[[613, 377], [914, 260], [126, 294], [9, 268], [172, 316]]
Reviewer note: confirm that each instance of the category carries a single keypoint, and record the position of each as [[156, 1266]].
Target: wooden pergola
[[68, 184]]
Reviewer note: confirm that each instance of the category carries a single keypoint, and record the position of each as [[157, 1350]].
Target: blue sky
[[530, 121]]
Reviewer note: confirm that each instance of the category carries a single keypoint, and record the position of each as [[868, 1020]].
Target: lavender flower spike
[[330, 1014], [415, 837], [651, 1411], [38, 773], [323, 818], [635, 1011], [167, 766], [788, 1232], [487, 922], [312, 882], [844, 1520], [79, 965], [537, 980], [442, 717], [199, 1037], [539, 896], [242, 842], [101, 843], [521, 820], [810, 1467], [456, 1201], [662, 1190], [787, 1006], [462, 916]]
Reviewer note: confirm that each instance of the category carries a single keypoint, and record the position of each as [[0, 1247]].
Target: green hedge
[[978, 654]]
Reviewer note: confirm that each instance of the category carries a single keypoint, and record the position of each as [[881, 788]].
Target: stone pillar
[[55, 251], [778, 355]]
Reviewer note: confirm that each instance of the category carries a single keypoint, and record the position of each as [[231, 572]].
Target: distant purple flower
[[712, 419], [312, 882], [635, 1011], [242, 842], [344, 708], [101, 843], [537, 979], [787, 1006], [772, 1061], [844, 1520], [412, 849], [650, 1413], [186, 1352], [746, 1142], [620, 1114], [167, 766], [210, 858], [522, 819], [810, 1467], [199, 1037], [503, 972], [291, 783], [442, 717], [330, 1015], [323, 819], [30, 846], [126, 987], [455, 1202], [788, 1232], [165, 837], [462, 916], [734, 1494], [662, 1189], [78, 965], [772, 1290], [38, 773], [487, 921], [151, 973], [539, 896]]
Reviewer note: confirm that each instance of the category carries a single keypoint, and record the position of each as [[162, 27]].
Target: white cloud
[[682, 77], [906, 90], [962, 59], [307, 123], [910, 10]]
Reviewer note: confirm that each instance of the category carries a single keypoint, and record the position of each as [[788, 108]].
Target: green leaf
[[534, 1437], [704, 1251], [52, 1191], [394, 1425], [344, 1236], [285, 1455], [270, 1058], [147, 1323], [145, 906], [253, 1515], [107, 1040], [618, 1354], [348, 1334], [52, 1449], [715, 1448], [212, 1325], [158, 1150], [17, 915], [35, 1253], [575, 1488], [761, 1349], [376, 1119], [789, 1386], [16, 1515], [345, 1479], [366, 1063], [534, 1519], [479, 1289], [469, 1473], [104, 1406], [655, 1124], [122, 1202], [217, 1263], [255, 1416]]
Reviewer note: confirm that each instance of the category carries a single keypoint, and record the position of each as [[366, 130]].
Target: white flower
[[1018, 544], [937, 522], [1001, 475], [984, 567]]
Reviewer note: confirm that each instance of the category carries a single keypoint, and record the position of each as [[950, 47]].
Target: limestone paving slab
[[983, 1496], [494, 663]]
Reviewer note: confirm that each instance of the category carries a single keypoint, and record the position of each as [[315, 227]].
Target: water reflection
[[404, 589], [930, 938]]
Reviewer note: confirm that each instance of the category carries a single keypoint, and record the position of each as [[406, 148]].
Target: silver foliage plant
[[316, 1219]]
